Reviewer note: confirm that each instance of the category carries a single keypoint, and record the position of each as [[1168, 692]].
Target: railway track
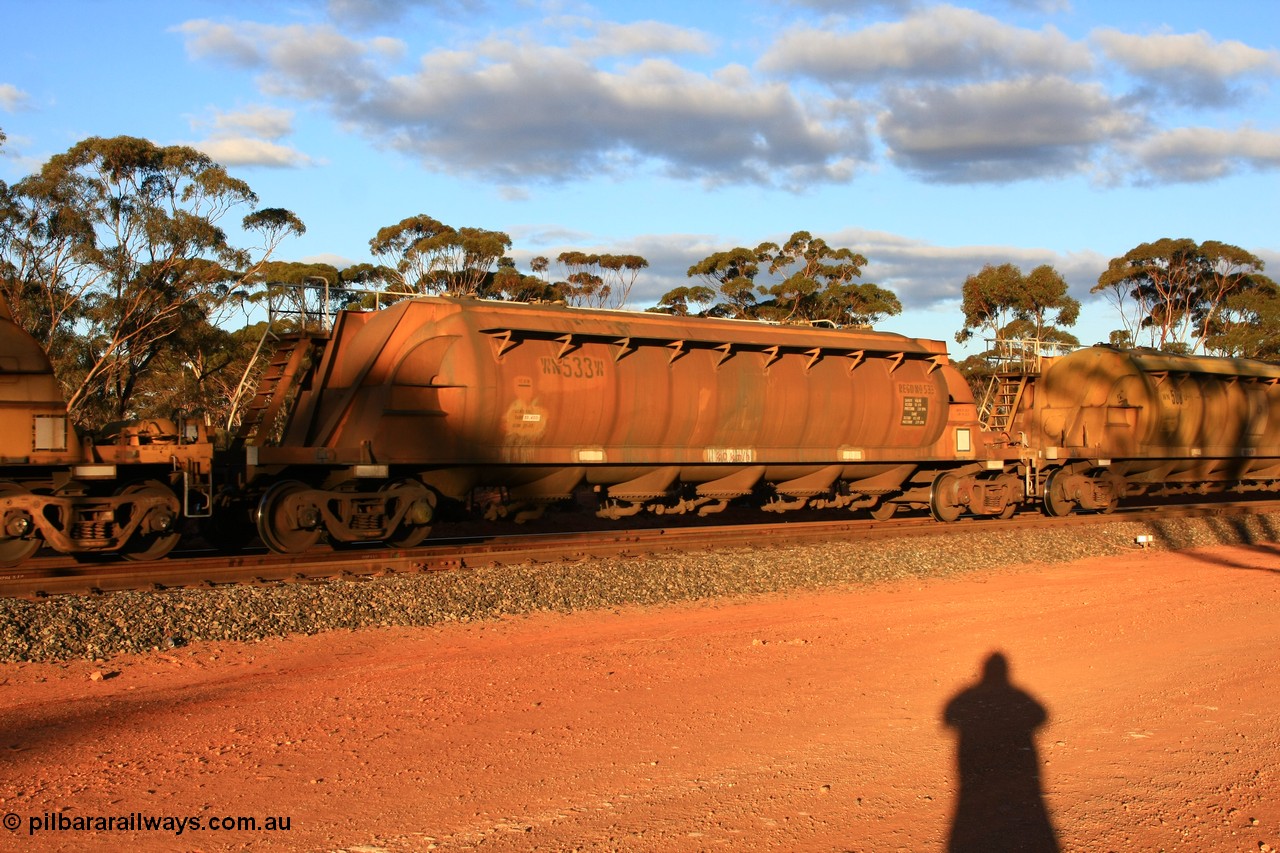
[[55, 576]]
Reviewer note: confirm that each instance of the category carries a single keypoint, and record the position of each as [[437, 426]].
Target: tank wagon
[[124, 494], [1102, 424], [435, 398]]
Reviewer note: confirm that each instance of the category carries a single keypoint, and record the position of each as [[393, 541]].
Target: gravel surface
[[96, 627]]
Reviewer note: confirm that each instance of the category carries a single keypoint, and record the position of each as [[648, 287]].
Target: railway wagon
[[437, 398], [1104, 423], [124, 494]]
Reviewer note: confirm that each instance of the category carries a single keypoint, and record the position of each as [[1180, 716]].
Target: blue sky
[[933, 138]]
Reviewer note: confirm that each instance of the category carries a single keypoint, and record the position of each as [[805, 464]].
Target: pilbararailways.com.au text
[[140, 822]]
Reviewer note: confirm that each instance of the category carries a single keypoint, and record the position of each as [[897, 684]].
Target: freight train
[[126, 493], [367, 431]]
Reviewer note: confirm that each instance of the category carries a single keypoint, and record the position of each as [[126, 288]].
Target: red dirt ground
[[811, 721]]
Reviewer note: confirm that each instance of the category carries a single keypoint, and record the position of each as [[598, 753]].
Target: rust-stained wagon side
[[125, 493], [1103, 423], [437, 397]]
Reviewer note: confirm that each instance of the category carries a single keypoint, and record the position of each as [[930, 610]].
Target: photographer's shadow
[[1000, 805]]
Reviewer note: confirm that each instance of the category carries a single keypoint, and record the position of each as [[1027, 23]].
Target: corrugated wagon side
[[436, 398], [1101, 424]]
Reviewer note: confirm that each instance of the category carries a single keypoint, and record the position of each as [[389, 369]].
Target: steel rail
[[55, 576]]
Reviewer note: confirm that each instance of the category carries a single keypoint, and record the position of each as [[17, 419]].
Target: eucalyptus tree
[[1001, 302], [511, 284], [1174, 290], [620, 273], [595, 280], [814, 281], [428, 256], [816, 277], [858, 303], [732, 276], [583, 283], [685, 300], [117, 245], [1248, 324], [410, 249]]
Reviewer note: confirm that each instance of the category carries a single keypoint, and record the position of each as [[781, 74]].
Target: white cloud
[[642, 38], [265, 122], [957, 96], [1192, 68], [938, 43], [333, 260], [1193, 154], [250, 137], [1002, 131], [856, 7], [307, 62], [13, 99], [236, 45], [362, 14], [925, 275], [246, 151], [518, 113]]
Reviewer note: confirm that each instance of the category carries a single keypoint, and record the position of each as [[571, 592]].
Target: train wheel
[[943, 501], [159, 531], [416, 524], [284, 527], [14, 548], [1056, 502]]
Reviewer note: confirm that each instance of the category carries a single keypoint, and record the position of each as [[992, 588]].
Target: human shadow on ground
[[1000, 805]]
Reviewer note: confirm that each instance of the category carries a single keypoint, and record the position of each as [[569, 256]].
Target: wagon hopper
[[438, 398], [125, 493], [1102, 423]]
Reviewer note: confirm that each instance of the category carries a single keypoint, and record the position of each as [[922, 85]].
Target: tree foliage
[[1175, 290], [1248, 324], [116, 247], [420, 254], [511, 284], [620, 273], [427, 256], [583, 285], [685, 300], [812, 281], [816, 277], [1002, 303], [598, 280], [732, 276]]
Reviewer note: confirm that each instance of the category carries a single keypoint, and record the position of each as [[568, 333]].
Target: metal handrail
[[1024, 355]]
